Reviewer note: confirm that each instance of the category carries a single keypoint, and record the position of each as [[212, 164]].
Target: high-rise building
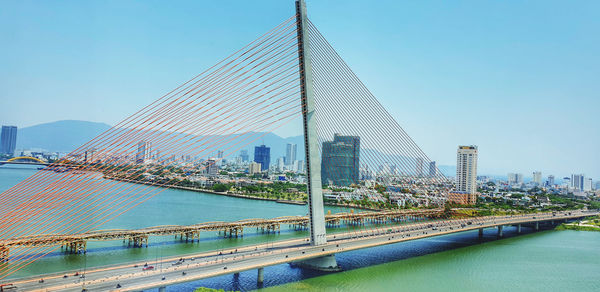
[[385, 169], [253, 168], [597, 185], [299, 166], [220, 161], [280, 164], [211, 167], [419, 169], [466, 169], [537, 178], [577, 181], [88, 156], [394, 169], [244, 155], [587, 184], [340, 160], [8, 140], [262, 155], [290, 154], [550, 181], [143, 152], [515, 178], [432, 169], [567, 182]]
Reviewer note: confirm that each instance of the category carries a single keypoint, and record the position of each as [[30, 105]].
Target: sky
[[519, 79]]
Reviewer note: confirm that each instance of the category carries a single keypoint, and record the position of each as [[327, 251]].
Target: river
[[547, 260]]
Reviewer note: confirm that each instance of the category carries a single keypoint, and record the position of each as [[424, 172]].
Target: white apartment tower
[[466, 169]]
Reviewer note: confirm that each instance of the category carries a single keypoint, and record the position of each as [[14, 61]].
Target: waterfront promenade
[[132, 277]]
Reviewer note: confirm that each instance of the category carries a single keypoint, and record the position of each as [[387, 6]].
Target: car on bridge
[[7, 287], [148, 268]]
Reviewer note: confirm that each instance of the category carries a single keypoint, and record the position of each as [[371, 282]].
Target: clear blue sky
[[520, 79]]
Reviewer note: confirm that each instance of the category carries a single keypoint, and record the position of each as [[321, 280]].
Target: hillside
[[68, 135], [62, 136]]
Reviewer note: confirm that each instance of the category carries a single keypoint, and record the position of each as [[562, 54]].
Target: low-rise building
[[462, 198]]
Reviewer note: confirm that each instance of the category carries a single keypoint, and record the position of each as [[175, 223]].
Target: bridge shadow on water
[[282, 274]]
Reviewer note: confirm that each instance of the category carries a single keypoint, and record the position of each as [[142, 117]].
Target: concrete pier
[[500, 234], [281, 252], [261, 276], [480, 232], [519, 228], [537, 225], [324, 264]]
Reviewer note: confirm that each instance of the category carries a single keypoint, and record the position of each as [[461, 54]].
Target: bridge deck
[[192, 230], [211, 264]]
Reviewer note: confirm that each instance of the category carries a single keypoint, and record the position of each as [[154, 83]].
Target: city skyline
[[509, 80], [447, 172]]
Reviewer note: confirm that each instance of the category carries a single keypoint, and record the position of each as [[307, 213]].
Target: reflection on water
[[542, 261]]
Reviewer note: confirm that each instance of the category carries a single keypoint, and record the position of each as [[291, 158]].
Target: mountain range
[[68, 135]]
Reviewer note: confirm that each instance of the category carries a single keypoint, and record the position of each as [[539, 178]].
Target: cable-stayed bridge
[[290, 74], [137, 276]]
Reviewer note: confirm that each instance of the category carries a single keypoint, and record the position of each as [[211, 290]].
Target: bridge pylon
[[313, 167], [316, 212]]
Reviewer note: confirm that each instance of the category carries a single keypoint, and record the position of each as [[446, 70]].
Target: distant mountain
[[61, 136], [68, 135]]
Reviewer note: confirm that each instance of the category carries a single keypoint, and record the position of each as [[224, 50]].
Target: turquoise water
[[536, 261], [170, 207], [543, 261]]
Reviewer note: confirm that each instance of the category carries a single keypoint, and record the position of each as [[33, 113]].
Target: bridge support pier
[[4, 250], [519, 228], [480, 232], [325, 264], [500, 233], [260, 277], [75, 247], [138, 241], [537, 226], [162, 289]]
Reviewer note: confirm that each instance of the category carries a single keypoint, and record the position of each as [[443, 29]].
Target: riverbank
[[588, 224], [231, 194]]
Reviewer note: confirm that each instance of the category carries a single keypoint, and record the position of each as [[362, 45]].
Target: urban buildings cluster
[[469, 187], [578, 184], [343, 175], [8, 147]]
